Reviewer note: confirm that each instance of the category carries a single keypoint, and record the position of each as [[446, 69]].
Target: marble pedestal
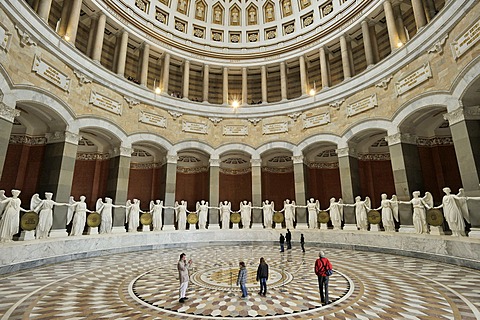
[[278, 226], [350, 227], [301, 225], [145, 228], [374, 228], [213, 227], [27, 235], [474, 233], [58, 233], [257, 226], [406, 229], [91, 230], [436, 230], [323, 226], [119, 229], [235, 226], [192, 226], [168, 227]]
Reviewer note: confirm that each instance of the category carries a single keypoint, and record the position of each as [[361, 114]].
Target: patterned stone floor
[[144, 285]]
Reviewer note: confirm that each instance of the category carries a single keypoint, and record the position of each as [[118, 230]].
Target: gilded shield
[[146, 219], [192, 218], [323, 217], [93, 220], [235, 217], [29, 221], [434, 217], [278, 217], [374, 217]]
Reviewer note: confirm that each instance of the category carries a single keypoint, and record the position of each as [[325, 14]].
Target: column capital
[[297, 159], [8, 113], [256, 162], [172, 158], [214, 162], [454, 116], [122, 151], [345, 152], [399, 137], [59, 136]]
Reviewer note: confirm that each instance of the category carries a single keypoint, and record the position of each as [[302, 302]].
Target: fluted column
[[43, 9], [345, 58], [225, 85], [397, 12], [213, 222], [419, 14], [264, 84], [100, 32], [122, 53], [244, 85], [74, 17], [7, 117], [349, 179], [391, 25], [206, 78], [257, 214], [145, 61], [62, 24], [186, 78], [91, 36], [373, 38], [300, 196], [303, 75], [367, 43], [324, 70], [166, 72], [283, 80], [170, 188]]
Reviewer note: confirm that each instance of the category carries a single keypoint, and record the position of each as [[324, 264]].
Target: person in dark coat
[[302, 242], [282, 241], [262, 276], [289, 239]]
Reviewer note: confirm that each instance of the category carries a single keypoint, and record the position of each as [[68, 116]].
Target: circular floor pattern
[[144, 285]]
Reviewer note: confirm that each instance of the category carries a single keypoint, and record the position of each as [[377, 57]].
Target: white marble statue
[[133, 215], [289, 211], [246, 213], [361, 209], [419, 210], [181, 214], [313, 207], [9, 215], [268, 210], [77, 210], [225, 210], [105, 211], [202, 211], [336, 213], [389, 212], [156, 209], [44, 208], [455, 210]]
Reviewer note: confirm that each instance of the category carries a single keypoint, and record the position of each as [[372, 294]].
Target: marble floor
[[144, 285]]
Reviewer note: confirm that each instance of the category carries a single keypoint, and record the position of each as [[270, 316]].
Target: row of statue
[[454, 208]]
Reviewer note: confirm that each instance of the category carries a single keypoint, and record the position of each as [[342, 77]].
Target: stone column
[[72, 25], [264, 84], [99, 34], [466, 139], [430, 9], [145, 61], [257, 214], [170, 189], [300, 196], [166, 72], [186, 78], [7, 116], [407, 174], [367, 44], [283, 80], [345, 58], [63, 22], [57, 175], [350, 181], [391, 25], [397, 12], [43, 9], [225, 86], [214, 223], [373, 38], [117, 184], [206, 77], [244, 86], [303, 75], [122, 53], [91, 36], [324, 68], [419, 14]]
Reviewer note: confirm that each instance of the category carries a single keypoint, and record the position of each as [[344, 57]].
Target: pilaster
[[170, 188]]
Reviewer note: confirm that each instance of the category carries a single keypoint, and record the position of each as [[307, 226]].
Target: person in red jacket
[[322, 264]]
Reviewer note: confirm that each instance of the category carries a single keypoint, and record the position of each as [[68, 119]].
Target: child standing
[[242, 279]]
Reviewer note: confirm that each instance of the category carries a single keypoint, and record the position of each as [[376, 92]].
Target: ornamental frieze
[[235, 172], [277, 170], [322, 165], [374, 156], [89, 156], [187, 170], [27, 140]]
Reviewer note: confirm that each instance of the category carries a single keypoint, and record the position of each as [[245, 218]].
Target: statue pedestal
[[192, 226], [278, 226], [350, 227], [301, 225], [406, 229], [235, 226], [213, 227], [27, 235], [91, 230], [323, 226], [436, 230], [474, 233], [168, 227], [257, 226], [145, 228], [58, 233], [119, 229], [374, 228]]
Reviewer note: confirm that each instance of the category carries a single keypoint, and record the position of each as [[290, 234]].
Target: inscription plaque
[[362, 105], [51, 74], [467, 40], [277, 127], [414, 79], [153, 119], [235, 130], [106, 103], [194, 127], [317, 120]]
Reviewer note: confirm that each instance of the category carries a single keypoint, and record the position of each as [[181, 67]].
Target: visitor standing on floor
[[183, 267], [242, 279], [262, 276], [282, 241], [302, 242], [322, 265], [289, 239]]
